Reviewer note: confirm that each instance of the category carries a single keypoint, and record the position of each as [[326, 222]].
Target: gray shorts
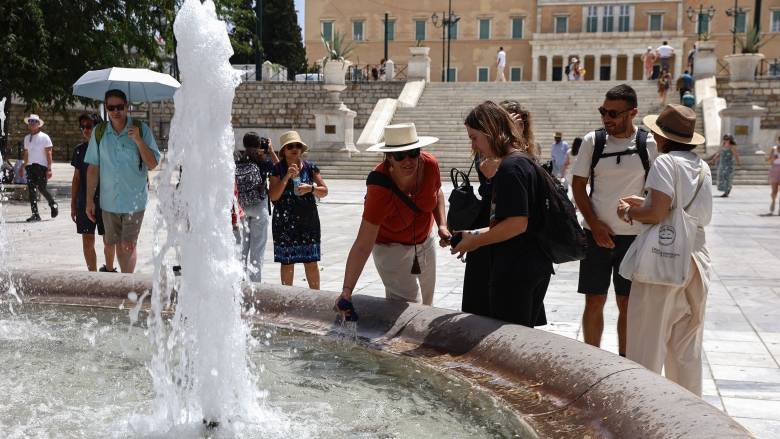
[[122, 227]]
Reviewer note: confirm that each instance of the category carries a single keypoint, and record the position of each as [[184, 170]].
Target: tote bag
[[661, 254]]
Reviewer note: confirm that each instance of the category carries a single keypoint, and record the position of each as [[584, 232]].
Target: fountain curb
[[614, 396]]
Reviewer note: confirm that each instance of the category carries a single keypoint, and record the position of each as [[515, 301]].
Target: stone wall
[[762, 92], [256, 105]]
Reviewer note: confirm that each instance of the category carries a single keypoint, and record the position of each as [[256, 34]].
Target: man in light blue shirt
[[120, 161], [558, 152]]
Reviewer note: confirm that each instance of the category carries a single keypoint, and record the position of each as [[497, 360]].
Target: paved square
[[742, 328]]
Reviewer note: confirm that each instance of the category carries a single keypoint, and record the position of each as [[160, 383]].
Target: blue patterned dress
[[295, 223], [725, 170]]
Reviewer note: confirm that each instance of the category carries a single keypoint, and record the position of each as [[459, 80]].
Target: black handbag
[[464, 204]]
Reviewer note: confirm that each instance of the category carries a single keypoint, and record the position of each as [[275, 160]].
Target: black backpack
[[560, 235], [567, 70], [601, 142]]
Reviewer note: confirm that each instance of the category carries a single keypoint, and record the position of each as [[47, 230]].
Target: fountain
[[72, 364]]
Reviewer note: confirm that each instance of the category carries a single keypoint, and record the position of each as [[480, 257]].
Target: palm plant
[[338, 49], [753, 41]]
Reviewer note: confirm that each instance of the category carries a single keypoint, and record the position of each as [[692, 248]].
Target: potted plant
[[742, 66], [419, 49], [335, 64]]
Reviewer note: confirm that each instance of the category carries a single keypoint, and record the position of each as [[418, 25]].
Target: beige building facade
[[540, 37]]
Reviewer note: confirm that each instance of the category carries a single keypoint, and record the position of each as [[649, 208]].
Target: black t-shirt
[[516, 192], [78, 163]]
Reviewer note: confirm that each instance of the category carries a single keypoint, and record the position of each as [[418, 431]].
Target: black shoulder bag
[[464, 204]]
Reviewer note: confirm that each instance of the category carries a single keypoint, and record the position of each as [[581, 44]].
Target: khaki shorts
[[122, 227]]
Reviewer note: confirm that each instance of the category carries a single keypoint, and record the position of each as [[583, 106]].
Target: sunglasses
[[86, 127], [33, 122], [612, 114], [294, 146], [401, 155], [112, 108]]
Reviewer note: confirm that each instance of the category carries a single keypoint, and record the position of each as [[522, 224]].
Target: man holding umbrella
[[120, 155]]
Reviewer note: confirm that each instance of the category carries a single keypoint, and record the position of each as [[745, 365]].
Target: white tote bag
[[661, 254]]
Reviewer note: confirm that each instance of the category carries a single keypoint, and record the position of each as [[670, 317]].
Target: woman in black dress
[[295, 223], [519, 270]]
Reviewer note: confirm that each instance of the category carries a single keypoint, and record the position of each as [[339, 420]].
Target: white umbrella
[[138, 84]]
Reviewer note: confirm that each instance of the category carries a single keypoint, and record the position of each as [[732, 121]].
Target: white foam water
[[8, 293], [200, 370]]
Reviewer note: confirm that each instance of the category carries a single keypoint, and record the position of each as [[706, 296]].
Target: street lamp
[[448, 19], [735, 12], [700, 18]]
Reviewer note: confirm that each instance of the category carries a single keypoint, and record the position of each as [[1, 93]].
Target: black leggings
[[36, 180]]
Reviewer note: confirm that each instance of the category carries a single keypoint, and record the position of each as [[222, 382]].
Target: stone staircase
[[569, 107]]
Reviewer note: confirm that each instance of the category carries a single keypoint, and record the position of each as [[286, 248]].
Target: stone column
[[630, 67], [535, 68], [613, 67], [678, 62], [549, 67], [597, 67]]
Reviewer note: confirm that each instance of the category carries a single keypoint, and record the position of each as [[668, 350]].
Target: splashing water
[[200, 370], [8, 293]]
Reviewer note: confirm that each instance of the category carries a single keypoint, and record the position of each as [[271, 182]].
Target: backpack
[[100, 131], [251, 184], [567, 70], [560, 237], [598, 153]]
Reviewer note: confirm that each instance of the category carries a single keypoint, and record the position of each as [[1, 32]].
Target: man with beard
[[615, 159]]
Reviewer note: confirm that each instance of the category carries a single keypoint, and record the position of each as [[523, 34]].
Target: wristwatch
[[626, 215], [313, 187]]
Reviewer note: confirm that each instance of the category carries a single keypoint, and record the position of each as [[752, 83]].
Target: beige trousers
[[394, 264], [500, 77], [666, 327]]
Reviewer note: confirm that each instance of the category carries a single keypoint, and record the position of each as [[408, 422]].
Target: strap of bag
[[456, 174], [598, 150], [698, 186], [379, 179]]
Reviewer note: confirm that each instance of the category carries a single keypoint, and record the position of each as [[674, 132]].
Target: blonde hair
[[498, 126]]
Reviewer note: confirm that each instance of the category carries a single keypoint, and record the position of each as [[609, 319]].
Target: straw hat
[[402, 137], [558, 134], [33, 117], [676, 123], [292, 137]]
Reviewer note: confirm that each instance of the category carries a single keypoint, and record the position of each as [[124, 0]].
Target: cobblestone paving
[[742, 329]]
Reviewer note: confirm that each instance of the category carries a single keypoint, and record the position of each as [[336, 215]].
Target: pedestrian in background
[[500, 65], [559, 151], [664, 84], [648, 61], [295, 186], [36, 166], [774, 173], [726, 159], [78, 202]]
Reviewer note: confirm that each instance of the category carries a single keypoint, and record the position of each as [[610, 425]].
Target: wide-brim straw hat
[[33, 117], [292, 137], [676, 123], [402, 137]]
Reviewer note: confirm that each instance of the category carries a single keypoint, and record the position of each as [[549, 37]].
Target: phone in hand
[[456, 238]]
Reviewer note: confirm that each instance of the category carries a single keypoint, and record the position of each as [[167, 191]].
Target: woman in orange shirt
[[403, 200]]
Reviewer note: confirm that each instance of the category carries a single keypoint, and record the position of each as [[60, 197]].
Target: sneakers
[[54, 210], [33, 219], [105, 269]]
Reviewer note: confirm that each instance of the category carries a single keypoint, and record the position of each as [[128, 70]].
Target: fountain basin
[[559, 387]]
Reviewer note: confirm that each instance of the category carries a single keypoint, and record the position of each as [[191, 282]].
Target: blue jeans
[[254, 229]]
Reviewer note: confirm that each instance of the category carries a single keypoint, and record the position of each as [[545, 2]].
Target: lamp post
[[259, 46], [735, 12], [699, 18], [448, 19]]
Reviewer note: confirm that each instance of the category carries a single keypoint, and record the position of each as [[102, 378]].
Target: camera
[[265, 143]]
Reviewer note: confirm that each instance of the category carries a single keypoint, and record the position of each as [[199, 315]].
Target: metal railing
[[767, 68]]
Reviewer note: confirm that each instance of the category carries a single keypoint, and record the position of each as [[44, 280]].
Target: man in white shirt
[[620, 171], [558, 153], [500, 65], [37, 161], [665, 53]]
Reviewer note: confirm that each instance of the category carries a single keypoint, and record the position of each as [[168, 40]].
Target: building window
[[483, 74], [452, 75], [357, 30], [592, 22], [702, 24], [741, 23], [774, 68], [454, 31], [517, 28], [327, 30], [608, 21], [419, 30], [561, 25], [390, 30], [775, 21], [516, 74], [484, 29], [656, 22], [624, 19]]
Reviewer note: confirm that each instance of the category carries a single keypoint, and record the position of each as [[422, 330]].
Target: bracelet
[[626, 215], [313, 187], [350, 289]]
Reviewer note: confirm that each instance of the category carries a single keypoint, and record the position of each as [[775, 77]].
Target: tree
[[282, 42], [242, 32]]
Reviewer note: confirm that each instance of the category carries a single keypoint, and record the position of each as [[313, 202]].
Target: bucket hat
[[676, 123], [402, 137], [33, 117], [292, 137]]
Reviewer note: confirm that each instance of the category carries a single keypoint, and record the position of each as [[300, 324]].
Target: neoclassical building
[[539, 36]]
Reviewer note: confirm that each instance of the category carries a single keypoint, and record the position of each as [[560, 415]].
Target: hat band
[[398, 146], [673, 131]]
